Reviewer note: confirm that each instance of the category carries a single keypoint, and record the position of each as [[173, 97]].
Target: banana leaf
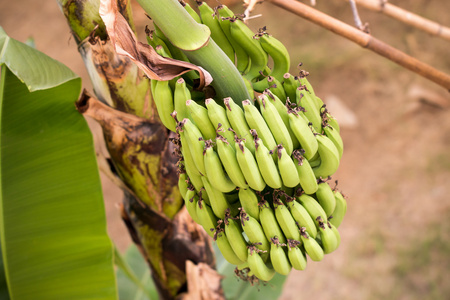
[[52, 217], [134, 280], [237, 289]]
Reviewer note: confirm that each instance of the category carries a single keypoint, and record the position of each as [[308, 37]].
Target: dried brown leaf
[[154, 65]]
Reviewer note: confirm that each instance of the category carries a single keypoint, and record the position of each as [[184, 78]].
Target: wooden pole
[[365, 40]]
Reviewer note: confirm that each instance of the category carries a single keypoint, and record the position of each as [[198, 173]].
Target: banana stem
[[185, 33]]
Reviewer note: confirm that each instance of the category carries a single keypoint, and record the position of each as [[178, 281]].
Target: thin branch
[[407, 17], [356, 17], [365, 40]]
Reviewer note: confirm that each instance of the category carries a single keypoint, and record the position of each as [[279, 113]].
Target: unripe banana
[[199, 115], [327, 237], [227, 155], [249, 202], [182, 184], [336, 138], [218, 117], [304, 81], [278, 52], [329, 157], [226, 249], [158, 44], [254, 232], [336, 233], [180, 96], [249, 87], [233, 231], [214, 170], [256, 121], [191, 203], [236, 117], [296, 257], [305, 173], [244, 36], [206, 218], [242, 58], [304, 99], [210, 19], [261, 85], [275, 123], [196, 144], [191, 169], [302, 218], [218, 202], [286, 167], [339, 212], [313, 207], [258, 267], [327, 118], [326, 198], [276, 88], [280, 261], [266, 165], [191, 11], [172, 51], [312, 248], [303, 133], [163, 98], [249, 167], [290, 85], [270, 224], [287, 222]]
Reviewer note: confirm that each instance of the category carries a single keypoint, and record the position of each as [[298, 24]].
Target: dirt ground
[[396, 130]]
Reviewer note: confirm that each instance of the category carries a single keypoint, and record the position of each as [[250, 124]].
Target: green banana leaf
[[52, 217], [4, 295], [237, 289], [133, 276]]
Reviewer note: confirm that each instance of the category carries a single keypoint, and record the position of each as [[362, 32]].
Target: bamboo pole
[[365, 40], [405, 16]]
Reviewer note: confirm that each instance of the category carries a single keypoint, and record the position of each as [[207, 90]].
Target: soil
[[396, 130]]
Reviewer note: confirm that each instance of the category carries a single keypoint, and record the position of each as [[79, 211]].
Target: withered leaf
[[154, 65]]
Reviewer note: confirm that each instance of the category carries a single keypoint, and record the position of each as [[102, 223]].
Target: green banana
[[328, 119], [325, 197], [287, 222], [336, 233], [302, 218], [312, 248], [218, 117], [180, 96], [304, 100], [305, 173], [275, 123], [242, 59], [257, 265], [158, 44], [329, 157], [269, 223], [182, 184], [335, 137], [313, 207], [206, 218], [233, 230], [303, 133], [210, 19], [296, 257], [191, 11], [256, 121], [280, 261], [244, 36], [236, 117], [196, 144], [254, 231], [304, 81], [327, 237], [226, 249], [290, 85], [278, 52], [266, 165], [249, 202], [163, 98], [214, 170], [249, 167], [218, 201], [199, 115], [191, 203], [287, 169], [276, 88], [339, 212], [227, 155], [191, 169]]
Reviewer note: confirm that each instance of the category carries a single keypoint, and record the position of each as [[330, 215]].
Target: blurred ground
[[396, 165]]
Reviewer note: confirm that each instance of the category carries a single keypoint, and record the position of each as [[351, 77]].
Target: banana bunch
[[255, 174]]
